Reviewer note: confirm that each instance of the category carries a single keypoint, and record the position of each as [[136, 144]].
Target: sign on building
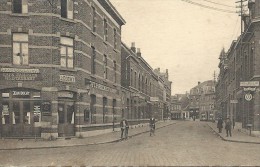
[[154, 99], [249, 83]]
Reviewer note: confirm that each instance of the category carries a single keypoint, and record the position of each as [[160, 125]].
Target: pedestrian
[[152, 126], [220, 125], [228, 127], [124, 128]]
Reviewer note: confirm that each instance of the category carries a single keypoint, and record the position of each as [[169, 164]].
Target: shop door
[[66, 119]]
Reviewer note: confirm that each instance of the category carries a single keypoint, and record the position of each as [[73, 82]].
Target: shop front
[[20, 113]]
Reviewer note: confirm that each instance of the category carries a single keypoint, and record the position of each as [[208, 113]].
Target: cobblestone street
[[184, 143]]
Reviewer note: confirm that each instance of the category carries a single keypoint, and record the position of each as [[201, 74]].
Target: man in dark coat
[[220, 125], [228, 127], [124, 128]]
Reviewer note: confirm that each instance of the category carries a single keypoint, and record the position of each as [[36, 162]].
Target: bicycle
[[152, 129]]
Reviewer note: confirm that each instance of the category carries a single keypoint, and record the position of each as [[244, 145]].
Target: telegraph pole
[[241, 12]]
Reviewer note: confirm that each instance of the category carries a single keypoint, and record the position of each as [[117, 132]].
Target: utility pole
[[241, 12]]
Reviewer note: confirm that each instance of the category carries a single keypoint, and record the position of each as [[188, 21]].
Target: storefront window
[[16, 112], [5, 113]]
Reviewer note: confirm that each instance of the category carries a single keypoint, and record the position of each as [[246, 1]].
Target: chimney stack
[[133, 47], [167, 75], [198, 82], [138, 52]]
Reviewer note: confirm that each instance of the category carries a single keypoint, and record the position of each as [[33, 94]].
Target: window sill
[[67, 69], [20, 14], [94, 33], [105, 42], [115, 50], [68, 20], [93, 76]]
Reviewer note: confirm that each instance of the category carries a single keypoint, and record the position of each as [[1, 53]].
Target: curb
[[89, 144], [234, 141]]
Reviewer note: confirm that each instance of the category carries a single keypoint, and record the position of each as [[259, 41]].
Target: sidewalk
[[237, 135], [15, 144]]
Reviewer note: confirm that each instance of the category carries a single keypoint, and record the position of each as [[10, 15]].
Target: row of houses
[[199, 103], [64, 71], [237, 88]]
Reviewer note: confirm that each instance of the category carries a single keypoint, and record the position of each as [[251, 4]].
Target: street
[[184, 143]]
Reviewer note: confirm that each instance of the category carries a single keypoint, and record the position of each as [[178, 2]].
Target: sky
[[182, 37]]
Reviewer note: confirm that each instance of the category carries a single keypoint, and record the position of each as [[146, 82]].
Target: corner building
[[60, 67]]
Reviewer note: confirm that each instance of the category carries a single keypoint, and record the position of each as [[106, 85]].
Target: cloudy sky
[[180, 36]]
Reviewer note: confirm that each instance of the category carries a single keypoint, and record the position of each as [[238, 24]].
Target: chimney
[[138, 52], [167, 75], [133, 47], [198, 82]]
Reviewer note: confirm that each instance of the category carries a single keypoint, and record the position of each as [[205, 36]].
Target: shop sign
[[233, 101], [248, 97], [5, 94], [20, 93], [20, 70], [46, 108], [66, 94], [154, 99], [5, 110], [102, 87], [19, 74], [66, 78], [19, 77], [250, 83], [249, 89]]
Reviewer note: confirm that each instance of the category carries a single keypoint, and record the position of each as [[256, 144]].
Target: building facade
[[240, 79], [179, 107], [147, 89], [202, 101], [60, 67]]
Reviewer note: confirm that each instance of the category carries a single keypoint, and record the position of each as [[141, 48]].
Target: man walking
[[124, 128], [228, 127]]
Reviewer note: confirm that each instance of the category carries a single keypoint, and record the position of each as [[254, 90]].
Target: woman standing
[[220, 125]]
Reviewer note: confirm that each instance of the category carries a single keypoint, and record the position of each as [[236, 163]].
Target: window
[[105, 30], [105, 66], [20, 49], [93, 57], [67, 9], [114, 71], [20, 6], [94, 19], [115, 42], [66, 52]]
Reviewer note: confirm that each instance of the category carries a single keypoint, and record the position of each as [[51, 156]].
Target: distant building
[[180, 106], [202, 101]]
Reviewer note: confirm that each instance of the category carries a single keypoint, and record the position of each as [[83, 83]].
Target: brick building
[[60, 67], [145, 88], [240, 79]]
